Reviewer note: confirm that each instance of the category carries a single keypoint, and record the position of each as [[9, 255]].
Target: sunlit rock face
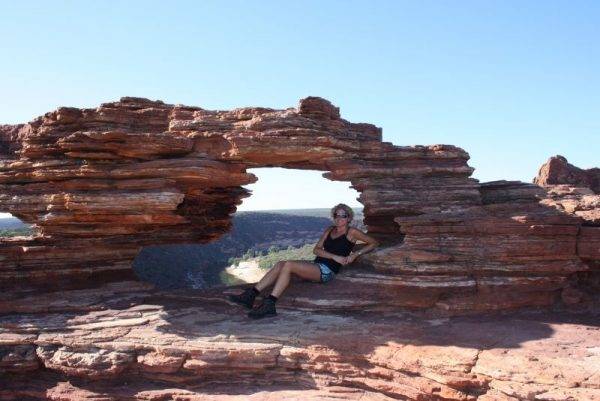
[[98, 184], [558, 171], [571, 190], [509, 251], [576, 192]]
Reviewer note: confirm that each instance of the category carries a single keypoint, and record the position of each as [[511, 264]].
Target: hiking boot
[[246, 298], [267, 308]]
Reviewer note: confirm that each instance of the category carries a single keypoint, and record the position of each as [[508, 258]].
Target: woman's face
[[341, 218]]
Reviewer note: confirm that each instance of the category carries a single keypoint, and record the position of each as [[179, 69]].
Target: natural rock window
[[100, 184], [11, 226], [287, 227]]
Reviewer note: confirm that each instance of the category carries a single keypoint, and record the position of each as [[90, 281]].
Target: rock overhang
[[98, 184]]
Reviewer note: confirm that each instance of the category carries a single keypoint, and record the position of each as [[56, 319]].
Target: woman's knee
[[288, 266], [279, 265]]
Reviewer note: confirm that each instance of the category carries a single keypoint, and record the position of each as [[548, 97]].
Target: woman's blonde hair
[[345, 208]]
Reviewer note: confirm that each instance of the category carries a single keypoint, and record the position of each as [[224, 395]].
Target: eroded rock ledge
[[101, 183], [126, 342], [575, 191], [98, 184]]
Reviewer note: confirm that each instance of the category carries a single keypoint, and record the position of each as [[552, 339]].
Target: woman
[[333, 250]]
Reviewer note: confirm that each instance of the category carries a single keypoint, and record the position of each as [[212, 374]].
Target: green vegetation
[[273, 255], [14, 232], [303, 253]]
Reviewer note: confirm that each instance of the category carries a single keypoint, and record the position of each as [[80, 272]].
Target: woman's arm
[[360, 236]]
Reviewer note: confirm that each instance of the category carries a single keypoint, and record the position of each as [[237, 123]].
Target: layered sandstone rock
[[124, 342], [571, 189], [576, 192], [508, 252], [558, 171], [98, 184]]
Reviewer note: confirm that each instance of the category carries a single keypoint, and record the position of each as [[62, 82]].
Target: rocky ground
[[128, 342]]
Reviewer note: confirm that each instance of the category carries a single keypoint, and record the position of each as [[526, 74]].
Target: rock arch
[[101, 183]]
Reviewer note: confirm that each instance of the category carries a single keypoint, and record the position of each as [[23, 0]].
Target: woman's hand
[[342, 260], [352, 257], [346, 260]]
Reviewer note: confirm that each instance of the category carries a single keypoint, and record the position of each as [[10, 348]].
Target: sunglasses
[[341, 216]]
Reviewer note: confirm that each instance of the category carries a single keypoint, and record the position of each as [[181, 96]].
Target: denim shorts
[[326, 273]]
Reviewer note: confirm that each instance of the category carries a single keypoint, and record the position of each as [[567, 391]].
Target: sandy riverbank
[[247, 271]]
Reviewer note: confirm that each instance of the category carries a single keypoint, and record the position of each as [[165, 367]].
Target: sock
[[255, 291], [272, 298]]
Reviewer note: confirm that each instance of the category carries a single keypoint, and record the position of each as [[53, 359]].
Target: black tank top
[[341, 246]]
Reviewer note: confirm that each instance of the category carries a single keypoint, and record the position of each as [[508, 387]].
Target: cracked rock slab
[[209, 350]]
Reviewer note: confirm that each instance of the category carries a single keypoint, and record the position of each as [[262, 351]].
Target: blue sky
[[511, 82]]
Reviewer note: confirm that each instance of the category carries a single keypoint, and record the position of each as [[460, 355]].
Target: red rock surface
[[124, 342], [571, 190], [576, 192], [558, 171], [101, 183]]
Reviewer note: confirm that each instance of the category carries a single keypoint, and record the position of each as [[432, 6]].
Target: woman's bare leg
[[271, 276], [303, 269]]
